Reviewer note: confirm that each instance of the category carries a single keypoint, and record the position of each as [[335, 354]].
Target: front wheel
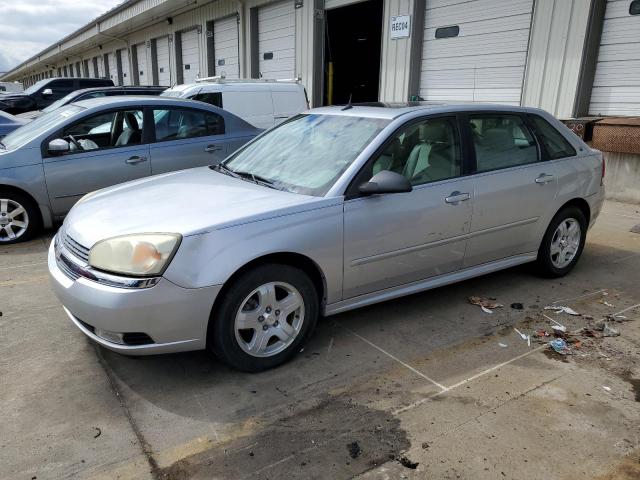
[[264, 317], [563, 242]]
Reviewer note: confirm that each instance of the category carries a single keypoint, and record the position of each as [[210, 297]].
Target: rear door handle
[[212, 148], [135, 160], [544, 178], [456, 197]]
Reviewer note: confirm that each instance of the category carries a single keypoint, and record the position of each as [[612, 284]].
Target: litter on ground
[[560, 309], [560, 346], [486, 304]]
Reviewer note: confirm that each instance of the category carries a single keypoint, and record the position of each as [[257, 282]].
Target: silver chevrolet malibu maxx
[[336, 208]]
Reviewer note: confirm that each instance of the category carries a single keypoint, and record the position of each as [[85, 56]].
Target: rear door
[[110, 152], [514, 188], [186, 138], [288, 100]]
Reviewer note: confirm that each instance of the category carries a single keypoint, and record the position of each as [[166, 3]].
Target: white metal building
[[571, 57]]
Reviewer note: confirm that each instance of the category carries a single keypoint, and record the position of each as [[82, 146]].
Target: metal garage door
[[126, 73], [616, 86], [190, 55], [164, 65], [475, 50], [144, 76], [276, 40], [225, 46], [113, 71]]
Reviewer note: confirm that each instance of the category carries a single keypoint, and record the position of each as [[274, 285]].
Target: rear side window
[[212, 98], [552, 142], [178, 124], [502, 141]]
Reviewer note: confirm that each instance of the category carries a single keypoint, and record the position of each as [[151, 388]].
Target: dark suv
[[45, 92]]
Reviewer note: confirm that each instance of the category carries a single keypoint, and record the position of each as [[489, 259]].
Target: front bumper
[[175, 318]]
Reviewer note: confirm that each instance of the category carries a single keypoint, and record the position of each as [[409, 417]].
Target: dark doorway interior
[[352, 53]]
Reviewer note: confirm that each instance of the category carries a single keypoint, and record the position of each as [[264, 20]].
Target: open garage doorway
[[352, 45]]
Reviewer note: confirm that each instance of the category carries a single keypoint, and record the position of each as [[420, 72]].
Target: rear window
[[552, 142], [212, 98]]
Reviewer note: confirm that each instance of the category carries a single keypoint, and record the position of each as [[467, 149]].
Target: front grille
[[64, 267], [74, 247]]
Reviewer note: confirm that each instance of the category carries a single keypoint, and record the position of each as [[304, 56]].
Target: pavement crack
[[142, 441]]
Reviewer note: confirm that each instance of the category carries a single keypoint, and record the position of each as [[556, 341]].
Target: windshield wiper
[[257, 179]]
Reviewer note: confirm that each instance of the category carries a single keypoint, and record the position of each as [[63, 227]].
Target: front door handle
[[544, 178], [212, 148], [135, 160], [456, 197]]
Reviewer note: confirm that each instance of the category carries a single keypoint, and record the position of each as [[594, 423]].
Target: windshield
[[40, 125], [58, 103], [35, 87], [308, 153]]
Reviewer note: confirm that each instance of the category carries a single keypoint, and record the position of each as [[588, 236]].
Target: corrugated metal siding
[[616, 87], [555, 55], [486, 61], [277, 38], [395, 56], [226, 47]]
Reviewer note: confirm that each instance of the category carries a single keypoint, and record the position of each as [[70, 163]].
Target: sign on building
[[400, 27]]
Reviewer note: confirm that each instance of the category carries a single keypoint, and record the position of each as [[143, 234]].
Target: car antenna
[[348, 106]]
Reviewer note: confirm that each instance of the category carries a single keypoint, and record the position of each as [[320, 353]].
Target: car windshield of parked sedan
[[306, 154], [27, 132], [59, 103]]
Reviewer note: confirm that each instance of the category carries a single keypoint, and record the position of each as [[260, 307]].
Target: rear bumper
[[175, 318], [595, 202]]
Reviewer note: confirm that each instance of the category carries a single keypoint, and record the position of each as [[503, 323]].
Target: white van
[[10, 87], [262, 103]]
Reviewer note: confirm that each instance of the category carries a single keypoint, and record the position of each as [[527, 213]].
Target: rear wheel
[[19, 219], [563, 243], [264, 317]]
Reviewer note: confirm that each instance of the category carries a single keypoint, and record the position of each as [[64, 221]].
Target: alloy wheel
[[565, 242], [14, 220], [269, 319]]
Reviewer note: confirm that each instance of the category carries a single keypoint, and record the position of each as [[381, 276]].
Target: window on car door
[[552, 143], [424, 152], [178, 123], [105, 130], [501, 141], [186, 138]]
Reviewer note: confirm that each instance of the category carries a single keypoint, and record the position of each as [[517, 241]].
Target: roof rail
[[223, 79]]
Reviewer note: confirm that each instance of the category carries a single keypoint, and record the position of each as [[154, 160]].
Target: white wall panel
[[486, 61], [190, 41], [616, 86], [276, 38], [225, 45]]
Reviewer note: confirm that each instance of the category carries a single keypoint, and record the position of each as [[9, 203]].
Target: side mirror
[[46, 92], [386, 181], [58, 146]]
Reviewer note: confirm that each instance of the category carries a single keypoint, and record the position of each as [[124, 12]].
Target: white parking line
[[22, 266], [404, 364], [628, 257], [579, 296], [635, 217]]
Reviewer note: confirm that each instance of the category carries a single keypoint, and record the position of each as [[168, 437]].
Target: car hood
[[188, 202]]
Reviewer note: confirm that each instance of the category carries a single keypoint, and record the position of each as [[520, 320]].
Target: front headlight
[[140, 255]]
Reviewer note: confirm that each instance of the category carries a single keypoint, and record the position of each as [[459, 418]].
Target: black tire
[[545, 264], [33, 215], [221, 334]]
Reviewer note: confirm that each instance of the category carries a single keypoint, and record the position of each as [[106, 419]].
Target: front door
[[513, 189], [106, 149], [396, 239], [187, 138]]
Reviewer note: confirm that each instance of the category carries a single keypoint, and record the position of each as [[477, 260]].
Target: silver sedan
[[334, 209], [47, 165]]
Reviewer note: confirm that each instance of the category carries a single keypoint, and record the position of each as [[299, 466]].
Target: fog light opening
[[112, 337]]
